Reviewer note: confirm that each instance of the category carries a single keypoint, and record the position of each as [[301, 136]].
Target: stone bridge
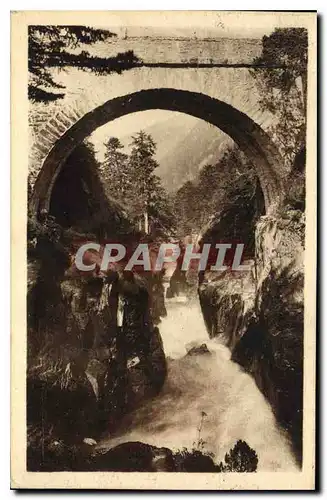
[[209, 79]]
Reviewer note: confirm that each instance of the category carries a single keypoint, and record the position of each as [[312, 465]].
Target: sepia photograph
[[163, 250]]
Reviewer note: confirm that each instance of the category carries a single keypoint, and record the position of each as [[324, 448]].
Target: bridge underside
[[249, 136]]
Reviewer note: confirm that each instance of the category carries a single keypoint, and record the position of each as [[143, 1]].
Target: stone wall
[[187, 50]]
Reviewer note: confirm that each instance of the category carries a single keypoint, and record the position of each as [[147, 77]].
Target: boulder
[[198, 350], [134, 457]]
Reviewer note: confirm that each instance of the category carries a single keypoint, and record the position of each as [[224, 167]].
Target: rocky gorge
[[102, 354], [85, 367], [259, 316]]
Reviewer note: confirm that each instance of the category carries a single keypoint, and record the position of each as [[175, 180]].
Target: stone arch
[[249, 136]]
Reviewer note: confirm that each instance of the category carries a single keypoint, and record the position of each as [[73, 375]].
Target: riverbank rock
[[197, 350], [227, 301], [146, 373], [141, 457], [134, 457], [84, 372]]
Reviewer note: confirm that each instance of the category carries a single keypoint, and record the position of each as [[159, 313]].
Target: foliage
[[241, 458], [61, 47], [287, 47], [142, 165], [131, 180], [295, 196], [194, 461], [229, 193], [149, 198], [114, 170], [283, 90]]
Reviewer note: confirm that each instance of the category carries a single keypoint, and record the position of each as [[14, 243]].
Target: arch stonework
[[249, 136]]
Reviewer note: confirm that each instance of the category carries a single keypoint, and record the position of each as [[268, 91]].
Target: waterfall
[[233, 406]]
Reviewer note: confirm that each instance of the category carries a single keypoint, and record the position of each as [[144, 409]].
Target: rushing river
[[233, 406]]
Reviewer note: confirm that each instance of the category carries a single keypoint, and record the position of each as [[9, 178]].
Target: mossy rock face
[[272, 350], [227, 303], [80, 379], [275, 340], [265, 335]]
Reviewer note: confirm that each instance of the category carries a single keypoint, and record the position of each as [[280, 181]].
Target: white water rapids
[[233, 405]]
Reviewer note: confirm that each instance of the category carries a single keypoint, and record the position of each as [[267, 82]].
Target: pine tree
[[62, 47], [147, 199], [114, 171], [142, 165], [241, 458]]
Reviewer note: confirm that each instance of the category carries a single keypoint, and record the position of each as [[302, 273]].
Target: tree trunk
[[146, 222]]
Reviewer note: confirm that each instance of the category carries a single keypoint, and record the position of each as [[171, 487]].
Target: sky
[[200, 23]]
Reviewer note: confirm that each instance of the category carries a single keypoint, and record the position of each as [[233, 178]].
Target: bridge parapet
[[187, 50]]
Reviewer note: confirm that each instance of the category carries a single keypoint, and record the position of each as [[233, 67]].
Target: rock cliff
[[259, 315], [85, 368]]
